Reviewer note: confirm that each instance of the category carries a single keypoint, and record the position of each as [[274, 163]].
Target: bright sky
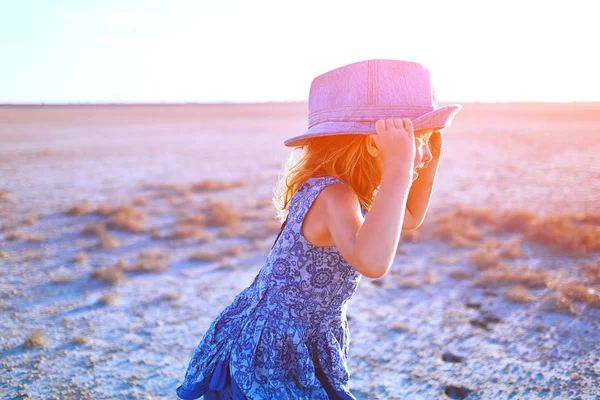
[[74, 51]]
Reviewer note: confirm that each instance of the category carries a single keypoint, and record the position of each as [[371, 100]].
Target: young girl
[[373, 127]]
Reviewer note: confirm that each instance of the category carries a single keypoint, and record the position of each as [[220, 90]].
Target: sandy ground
[[424, 331]]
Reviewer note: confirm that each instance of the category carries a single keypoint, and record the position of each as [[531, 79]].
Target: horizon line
[[44, 104]]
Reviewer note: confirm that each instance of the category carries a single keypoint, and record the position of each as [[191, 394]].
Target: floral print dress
[[286, 335]]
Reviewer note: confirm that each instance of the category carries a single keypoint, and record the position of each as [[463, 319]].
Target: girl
[[373, 127]]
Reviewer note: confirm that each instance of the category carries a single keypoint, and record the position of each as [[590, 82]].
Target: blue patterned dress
[[286, 335]]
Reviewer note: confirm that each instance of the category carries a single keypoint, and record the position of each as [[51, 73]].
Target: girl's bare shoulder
[[339, 199]]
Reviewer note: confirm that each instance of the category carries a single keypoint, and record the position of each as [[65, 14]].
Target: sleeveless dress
[[286, 335]]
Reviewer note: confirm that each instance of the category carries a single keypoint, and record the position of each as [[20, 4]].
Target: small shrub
[[556, 302], [94, 229], [220, 213], [78, 339], [511, 250], [80, 257], [108, 299], [212, 185], [206, 255], [172, 296], [128, 219], [518, 294], [110, 275], [35, 339], [107, 242], [485, 257], [79, 209], [150, 260]]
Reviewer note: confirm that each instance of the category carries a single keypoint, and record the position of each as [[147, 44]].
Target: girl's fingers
[[389, 123], [380, 126], [408, 125]]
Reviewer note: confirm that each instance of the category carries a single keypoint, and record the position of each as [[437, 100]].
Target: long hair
[[342, 156]]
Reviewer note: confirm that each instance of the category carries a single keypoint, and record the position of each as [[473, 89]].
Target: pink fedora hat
[[350, 99]]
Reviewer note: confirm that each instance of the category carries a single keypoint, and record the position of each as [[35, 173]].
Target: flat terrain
[[117, 251]]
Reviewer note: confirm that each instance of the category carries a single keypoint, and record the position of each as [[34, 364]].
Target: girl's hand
[[396, 143], [436, 142]]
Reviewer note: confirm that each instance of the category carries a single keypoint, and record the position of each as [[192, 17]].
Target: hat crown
[[370, 90]]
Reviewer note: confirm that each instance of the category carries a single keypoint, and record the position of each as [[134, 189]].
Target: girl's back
[[286, 335]]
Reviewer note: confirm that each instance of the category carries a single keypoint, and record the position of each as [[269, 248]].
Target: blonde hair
[[342, 156]]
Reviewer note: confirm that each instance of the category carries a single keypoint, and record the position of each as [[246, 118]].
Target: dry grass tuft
[[35, 237], [594, 301], [450, 259], [485, 257], [460, 274], [399, 327], [166, 190], [430, 278], [108, 299], [35, 339], [591, 270], [220, 213], [150, 260], [30, 237], [80, 257], [213, 185], [514, 221], [410, 236], [206, 255], [104, 209], [107, 242], [198, 219], [523, 275], [407, 283], [518, 294], [183, 230], [94, 229], [155, 234], [172, 296], [31, 219], [511, 250], [235, 249], [226, 264], [79, 209], [561, 235], [129, 219], [574, 290], [557, 302], [139, 201], [7, 197], [457, 228], [238, 228], [61, 276], [263, 231], [111, 275], [257, 244], [29, 255], [78, 339], [592, 219]]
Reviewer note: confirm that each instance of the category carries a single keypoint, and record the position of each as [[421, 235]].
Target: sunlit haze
[[255, 51]]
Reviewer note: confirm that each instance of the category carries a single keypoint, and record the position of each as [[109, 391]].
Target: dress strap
[[281, 230], [304, 197], [307, 194]]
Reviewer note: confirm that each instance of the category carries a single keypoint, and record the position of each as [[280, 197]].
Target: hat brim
[[437, 120]]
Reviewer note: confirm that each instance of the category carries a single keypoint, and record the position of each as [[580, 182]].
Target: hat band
[[365, 114]]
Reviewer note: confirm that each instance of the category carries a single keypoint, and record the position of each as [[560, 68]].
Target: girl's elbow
[[371, 269]]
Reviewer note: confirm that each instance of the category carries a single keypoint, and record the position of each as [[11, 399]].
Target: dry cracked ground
[[125, 230]]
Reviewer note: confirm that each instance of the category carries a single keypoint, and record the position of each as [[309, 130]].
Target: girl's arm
[[369, 244], [419, 195]]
